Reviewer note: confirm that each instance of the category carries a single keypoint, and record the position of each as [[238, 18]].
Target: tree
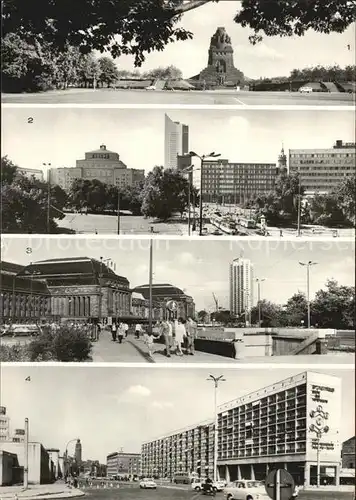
[[109, 73], [334, 307], [168, 73], [89, 194], [165, 192], [203, 316], [139, 26], [346, 195], [8, 171], [25, 203], [296, 310], [270, 314], [223, 316]]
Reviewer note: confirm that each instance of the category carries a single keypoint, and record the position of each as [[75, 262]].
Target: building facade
[[73, 289], [4, 425], [187, 450], [162, 293], [123, 464], [101, 164], [268, 428], [176, 142], [348, 454], [241, 286], [220, 70], [323, 170], [235, 183], [272, 427]]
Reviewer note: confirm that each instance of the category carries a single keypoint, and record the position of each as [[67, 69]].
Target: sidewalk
[[40, 491], [159, 355]]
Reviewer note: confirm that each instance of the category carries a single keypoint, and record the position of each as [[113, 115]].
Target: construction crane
[[216, 302]]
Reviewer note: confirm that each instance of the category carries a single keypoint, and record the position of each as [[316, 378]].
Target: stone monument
[[220, 70]]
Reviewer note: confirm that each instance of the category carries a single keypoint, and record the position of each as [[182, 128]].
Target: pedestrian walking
[[180, 334], [138, 331], [120, 332], [149, 342], [126, 329], [191, 329], [113, 331], [167, 332]]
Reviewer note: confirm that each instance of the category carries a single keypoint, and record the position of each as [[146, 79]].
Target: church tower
[[221, 70], [282, 162]]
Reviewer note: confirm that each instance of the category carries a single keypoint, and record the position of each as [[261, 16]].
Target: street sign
[[279, 485], [172, 305]]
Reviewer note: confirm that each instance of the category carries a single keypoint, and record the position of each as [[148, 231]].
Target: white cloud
[[139, 390], [161, 405]]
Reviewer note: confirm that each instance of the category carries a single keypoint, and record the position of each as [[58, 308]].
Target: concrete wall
[[39, 469], [8, 474]]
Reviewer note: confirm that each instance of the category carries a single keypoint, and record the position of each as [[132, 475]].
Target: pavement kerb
[[23, 495], [141, 351]]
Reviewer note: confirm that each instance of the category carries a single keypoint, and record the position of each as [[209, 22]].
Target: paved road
[[154, 98], [107, 224], [163, 493]]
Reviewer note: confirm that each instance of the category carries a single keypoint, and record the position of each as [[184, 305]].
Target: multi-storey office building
[[176, 142], [187, 450], [227, 182], [323, 170], [123, 464], [269, 428], [272, 427]]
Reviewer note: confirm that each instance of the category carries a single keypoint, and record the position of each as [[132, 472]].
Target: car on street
[[246, 490], [151, 87], [306, 90], [197, 485], [148, 484]]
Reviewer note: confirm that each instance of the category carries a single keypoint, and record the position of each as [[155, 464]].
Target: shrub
[[65, 344], [14, 353]]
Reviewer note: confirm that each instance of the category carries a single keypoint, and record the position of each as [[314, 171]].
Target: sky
[[199, 268], [273, 57], [61, 136], [113, 408]]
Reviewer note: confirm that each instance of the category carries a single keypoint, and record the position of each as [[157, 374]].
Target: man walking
[[138, 330], [191, 328], [113, 331], [126, 329], [167, 332], [120, 332]]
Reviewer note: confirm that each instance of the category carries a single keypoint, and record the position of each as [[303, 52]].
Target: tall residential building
[[322, 170], [101, 164], [186, 450], [227, 182], [176, 142], [241, 286], [273, 427]]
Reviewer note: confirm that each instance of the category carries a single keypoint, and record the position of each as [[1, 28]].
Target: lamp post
[[189, 170], [319, 428], [202, 158], [308, 265], [25, 468], [216, 381], [100, 291], [259, 281], [48, 198], [150, 285]]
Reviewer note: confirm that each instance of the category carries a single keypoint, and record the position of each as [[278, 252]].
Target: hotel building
[[176, 142], [268, 428], [323, 170], [241, 286]]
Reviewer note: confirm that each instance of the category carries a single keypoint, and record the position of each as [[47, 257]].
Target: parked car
[[197, 485], [246, 490], [148, 484], [151, 87], [306, 90]]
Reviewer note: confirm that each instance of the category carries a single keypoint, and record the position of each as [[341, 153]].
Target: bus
[[249, 223], [185, 477]]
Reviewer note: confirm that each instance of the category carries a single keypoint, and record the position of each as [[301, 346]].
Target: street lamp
[[216, 381], [308, 265], [202, 158], [189, 170], [259, 281], [48, 198], [319, 428]]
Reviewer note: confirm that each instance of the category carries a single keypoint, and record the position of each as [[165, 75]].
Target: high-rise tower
[[282, 161], [241, 286], [78, 453], [176, 142]]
